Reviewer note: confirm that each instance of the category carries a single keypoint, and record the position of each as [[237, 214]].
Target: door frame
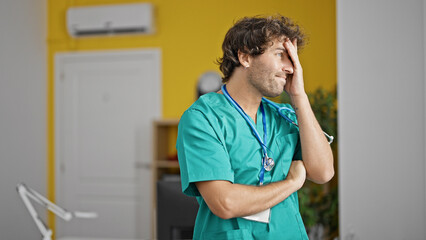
[[60, 59]]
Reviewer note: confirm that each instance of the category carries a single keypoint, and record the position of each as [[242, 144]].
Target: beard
[[266, 82]]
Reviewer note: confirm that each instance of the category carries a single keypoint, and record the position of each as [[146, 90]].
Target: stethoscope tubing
[[279, 109]]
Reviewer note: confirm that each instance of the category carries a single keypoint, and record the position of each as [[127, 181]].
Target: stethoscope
[[267, 162]]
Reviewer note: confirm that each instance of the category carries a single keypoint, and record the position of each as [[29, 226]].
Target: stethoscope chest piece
[[268, 164]]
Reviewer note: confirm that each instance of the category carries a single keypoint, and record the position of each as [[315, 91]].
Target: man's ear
[[244, 59]]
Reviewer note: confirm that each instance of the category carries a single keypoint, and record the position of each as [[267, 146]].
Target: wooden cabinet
[[164, 163]]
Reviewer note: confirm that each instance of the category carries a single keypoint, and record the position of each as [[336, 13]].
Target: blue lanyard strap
[[247, 118], [253, 128]]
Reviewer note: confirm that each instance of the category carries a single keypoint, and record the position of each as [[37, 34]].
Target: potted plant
[[319, 203]]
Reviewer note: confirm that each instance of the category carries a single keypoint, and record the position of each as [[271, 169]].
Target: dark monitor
[[176, 212]]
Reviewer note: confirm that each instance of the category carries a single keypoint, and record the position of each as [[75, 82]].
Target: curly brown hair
[[251, 35]]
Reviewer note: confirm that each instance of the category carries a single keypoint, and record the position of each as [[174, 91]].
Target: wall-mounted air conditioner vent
[[110, 19]]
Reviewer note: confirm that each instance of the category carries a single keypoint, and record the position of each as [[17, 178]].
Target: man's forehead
[[276, 43]]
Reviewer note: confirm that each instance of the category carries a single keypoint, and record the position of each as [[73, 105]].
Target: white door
[[104, 106]]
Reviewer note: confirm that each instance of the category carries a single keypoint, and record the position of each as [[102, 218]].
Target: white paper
[[260, 217]]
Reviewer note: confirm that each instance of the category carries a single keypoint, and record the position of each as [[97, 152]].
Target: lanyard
[[267, 163]]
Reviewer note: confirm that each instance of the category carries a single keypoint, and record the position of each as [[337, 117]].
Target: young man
[[237, 155]]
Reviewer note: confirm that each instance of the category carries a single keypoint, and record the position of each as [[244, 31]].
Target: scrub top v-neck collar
[[259, 119]]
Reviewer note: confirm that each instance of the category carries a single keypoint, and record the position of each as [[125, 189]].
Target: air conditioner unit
[[110, 19]]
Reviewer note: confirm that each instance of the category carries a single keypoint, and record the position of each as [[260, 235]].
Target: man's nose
[[287, 66]]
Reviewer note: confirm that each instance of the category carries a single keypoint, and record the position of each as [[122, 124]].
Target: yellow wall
[[190, 34]]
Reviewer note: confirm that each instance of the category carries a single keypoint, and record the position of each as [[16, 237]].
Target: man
[[226, 139]]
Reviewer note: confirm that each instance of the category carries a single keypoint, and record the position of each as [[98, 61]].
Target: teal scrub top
[[216, 143]]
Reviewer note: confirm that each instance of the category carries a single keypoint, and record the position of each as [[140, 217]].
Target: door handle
[[142, 165]]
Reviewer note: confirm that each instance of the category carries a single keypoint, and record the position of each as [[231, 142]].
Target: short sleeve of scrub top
[[202, 156]]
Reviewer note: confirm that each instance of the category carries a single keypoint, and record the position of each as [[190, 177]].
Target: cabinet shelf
[[164, 141], [167, 164]]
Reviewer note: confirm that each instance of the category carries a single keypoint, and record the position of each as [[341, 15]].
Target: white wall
[[22, 111], [381, 119]]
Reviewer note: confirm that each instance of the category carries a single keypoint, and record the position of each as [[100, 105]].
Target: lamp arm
[[37, 197], [43, 228], [26, 193]]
